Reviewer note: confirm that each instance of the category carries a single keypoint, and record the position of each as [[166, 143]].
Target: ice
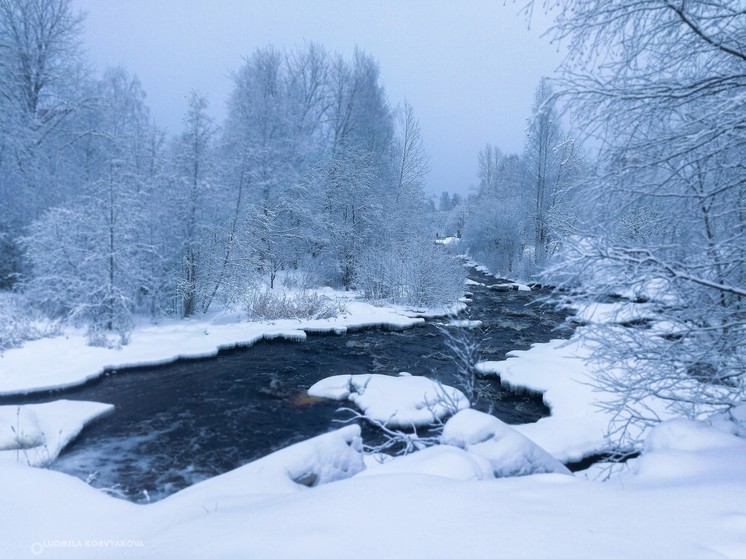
[[398, 402], [508, 452]]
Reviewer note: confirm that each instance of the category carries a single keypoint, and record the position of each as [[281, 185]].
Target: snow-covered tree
[[43, 83], [662, 84], [89, 259], [194, 159], [552, 162]]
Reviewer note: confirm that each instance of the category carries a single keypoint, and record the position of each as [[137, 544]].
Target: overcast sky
[[468, 67]]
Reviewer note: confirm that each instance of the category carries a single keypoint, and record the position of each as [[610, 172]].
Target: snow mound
[[398, 402], [732, 421], [19, 428], [508, 452], [441, 460], [337, 387], [323, 459], [685, 452], [35, 434], [686, 435]]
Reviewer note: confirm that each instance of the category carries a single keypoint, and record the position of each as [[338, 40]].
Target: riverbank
[[684, 497], [67, 360]]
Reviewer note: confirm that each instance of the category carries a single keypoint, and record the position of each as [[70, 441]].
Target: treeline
[[524, 205], [105, 217], [657, 220]]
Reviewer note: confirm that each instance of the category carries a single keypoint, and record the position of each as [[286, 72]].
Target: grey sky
[[469, 67]]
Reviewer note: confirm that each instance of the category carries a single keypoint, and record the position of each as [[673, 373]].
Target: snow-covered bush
[[417, 272], [270, 304], [19, 322]]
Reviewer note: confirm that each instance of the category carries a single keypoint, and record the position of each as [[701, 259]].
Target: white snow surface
[[685, 500], [398, 402], [67, 360], [507, 451], [684, 497], [470, 324], [440, 460], [558, 371], [35, 434]]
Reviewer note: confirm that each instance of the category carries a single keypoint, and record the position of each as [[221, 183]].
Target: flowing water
[[177, 424]]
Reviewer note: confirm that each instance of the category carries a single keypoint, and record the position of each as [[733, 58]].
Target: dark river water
[[177, 424]]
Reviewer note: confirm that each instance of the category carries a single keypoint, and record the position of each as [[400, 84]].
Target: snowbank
[[65, 361], [440, 460], [398, 402], [426, 506], [507, 451], [557, 370], [34, 434], [323, 459]]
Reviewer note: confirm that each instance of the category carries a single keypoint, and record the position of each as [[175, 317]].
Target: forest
[[107, 219], [261, 335]]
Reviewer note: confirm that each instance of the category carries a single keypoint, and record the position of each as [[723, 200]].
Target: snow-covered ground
[[487, 490], [684, 498], [67, 360]]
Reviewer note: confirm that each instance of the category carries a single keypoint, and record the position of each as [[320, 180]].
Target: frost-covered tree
[[662, 82], [498, 223], [401, 263], [552, 162], [43, 82], [88, 258], [520, 211], [194, 160]]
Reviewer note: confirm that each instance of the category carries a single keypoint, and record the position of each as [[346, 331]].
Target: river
[[177, 424]]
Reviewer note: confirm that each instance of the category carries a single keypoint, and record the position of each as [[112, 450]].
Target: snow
[[684, 497], [470, 324], [557, 370], [612, 313], [67, 360], [507, 451], [440, 460], [426, 506], [681, 451], [35, 434], [509, 286], [323, 459], [398, 402]]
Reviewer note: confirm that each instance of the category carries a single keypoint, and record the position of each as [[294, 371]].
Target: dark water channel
[[177, 424]]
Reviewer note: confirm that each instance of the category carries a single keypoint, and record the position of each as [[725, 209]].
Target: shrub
[[270, 304]]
